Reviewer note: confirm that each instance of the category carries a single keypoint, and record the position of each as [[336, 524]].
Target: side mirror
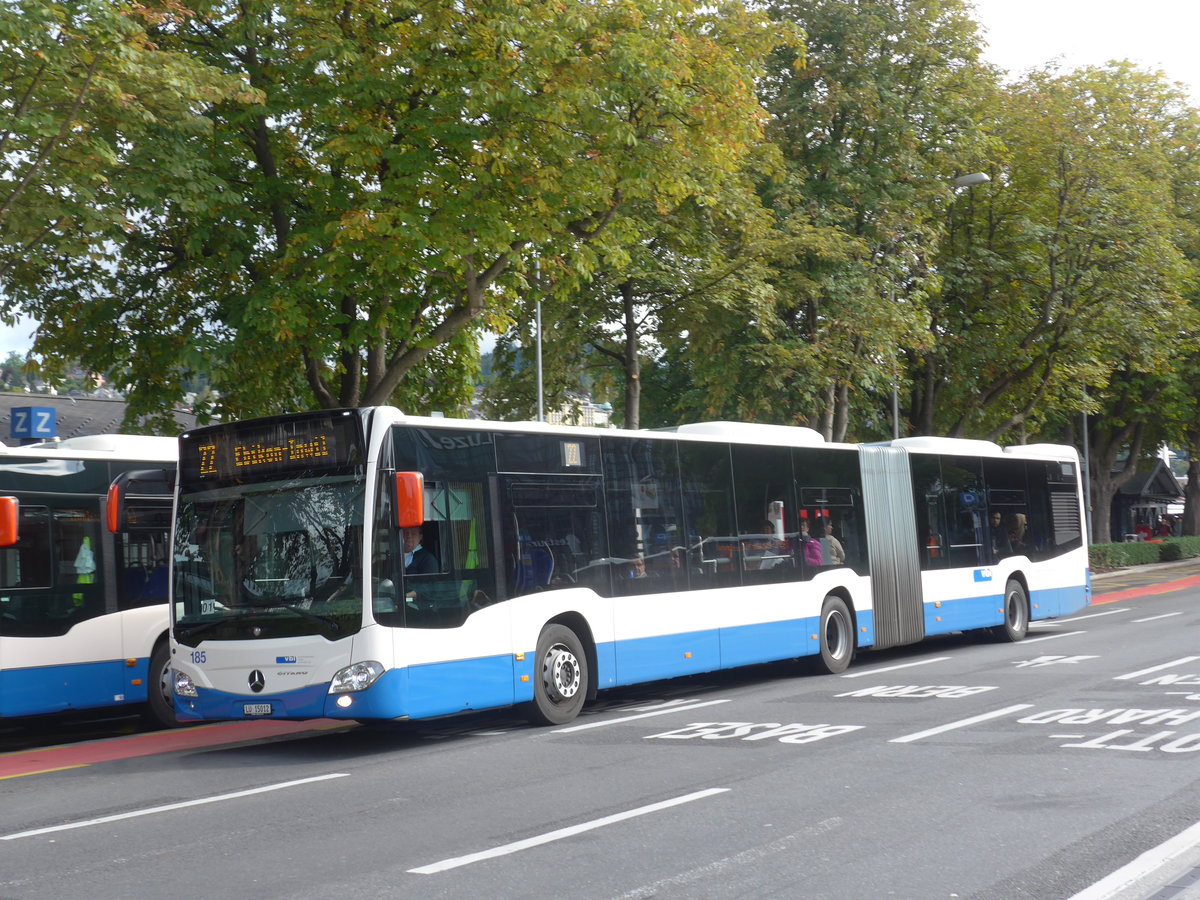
[[141, 482], [114, 512], [410, 499], [8, 521]]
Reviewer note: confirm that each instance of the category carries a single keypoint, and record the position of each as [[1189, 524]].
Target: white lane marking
[[1147, 863], [1153, 618], [170, 806], [725, 868], [1050, 637], [909, 665], [962, 723], [1107, 612], [537, 841], [647, 715], [1138, 674]]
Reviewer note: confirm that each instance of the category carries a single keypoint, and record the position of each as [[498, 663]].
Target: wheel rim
[[836, 634], [164, 685], [1016, 610], [561, 673]]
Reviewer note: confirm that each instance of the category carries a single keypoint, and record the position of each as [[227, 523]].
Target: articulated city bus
[[369, 565], [83, 611]]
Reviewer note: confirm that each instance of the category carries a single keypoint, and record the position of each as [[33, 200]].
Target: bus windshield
[[271, 559]]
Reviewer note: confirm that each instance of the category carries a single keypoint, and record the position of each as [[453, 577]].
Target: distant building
[[1145, 498], [577, 410], [581, 411], [75, 416]]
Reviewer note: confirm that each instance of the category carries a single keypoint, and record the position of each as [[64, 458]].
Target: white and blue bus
[[83, 611], [364, 564]]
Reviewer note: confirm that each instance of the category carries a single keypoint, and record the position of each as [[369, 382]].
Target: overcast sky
[[1156, 34], [1021, 34]]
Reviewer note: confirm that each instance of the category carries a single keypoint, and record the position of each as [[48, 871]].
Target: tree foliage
[[1064, 268], [872, 129], [684, 278], [343, 239]]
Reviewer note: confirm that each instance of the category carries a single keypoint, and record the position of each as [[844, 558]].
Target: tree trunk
[[841, 416], [828, 398], [1191, 491], [631, 363], [1106, 445]]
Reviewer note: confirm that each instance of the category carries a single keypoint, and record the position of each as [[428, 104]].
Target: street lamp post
[[541, 402], [960, 181]]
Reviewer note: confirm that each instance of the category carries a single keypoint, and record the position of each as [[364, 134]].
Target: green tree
[[1065, 268], [355, 230], [680, 277], [93, 115], [872, 130]]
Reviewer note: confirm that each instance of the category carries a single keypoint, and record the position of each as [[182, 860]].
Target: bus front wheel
[[836, 636], [560, 677], [1016, 613], [160, 702]]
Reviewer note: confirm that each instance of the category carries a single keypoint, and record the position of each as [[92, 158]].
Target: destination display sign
[[271, 448]]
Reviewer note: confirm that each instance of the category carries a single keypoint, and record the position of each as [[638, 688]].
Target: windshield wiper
[[188, 631], [331, 623]]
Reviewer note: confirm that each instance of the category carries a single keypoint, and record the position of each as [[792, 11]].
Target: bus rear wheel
[[1016, 613], [560, 677], [836, 637]]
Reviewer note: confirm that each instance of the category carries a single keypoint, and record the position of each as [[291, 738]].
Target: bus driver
[[417, 560]]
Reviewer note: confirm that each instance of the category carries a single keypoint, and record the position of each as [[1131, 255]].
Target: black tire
[[560, 677], [160, 702], [836, 637], [1016, 614]]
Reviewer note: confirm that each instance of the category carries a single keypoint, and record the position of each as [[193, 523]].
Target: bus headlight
[[357, 677], [184, 686]]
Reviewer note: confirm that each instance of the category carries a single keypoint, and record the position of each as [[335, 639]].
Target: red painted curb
[[1146, 590], [72, 756]]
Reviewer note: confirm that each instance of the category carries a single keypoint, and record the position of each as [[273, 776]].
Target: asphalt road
[[1064, 766]]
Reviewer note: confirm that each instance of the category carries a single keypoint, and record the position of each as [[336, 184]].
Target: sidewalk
[[1163, 575]]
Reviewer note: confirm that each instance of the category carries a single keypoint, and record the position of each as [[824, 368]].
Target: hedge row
[[1117, 556]]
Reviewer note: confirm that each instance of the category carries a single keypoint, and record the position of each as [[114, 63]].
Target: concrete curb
[[1149, 567]]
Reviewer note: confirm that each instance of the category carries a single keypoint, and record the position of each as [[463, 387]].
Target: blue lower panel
[[417, 692], [750, 644], [439, 688], [865, 620], [673, 655], [1058, 602], [667, 656], [52, 689], [305, 703], [963, 615], [984, 612]]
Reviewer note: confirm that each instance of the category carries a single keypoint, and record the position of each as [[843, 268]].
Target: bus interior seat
[[534, 569], [156, 585], [133, 581]]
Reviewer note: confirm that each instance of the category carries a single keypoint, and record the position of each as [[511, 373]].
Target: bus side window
[[385, 552], [27, 562], [708, 509], [930, 513]]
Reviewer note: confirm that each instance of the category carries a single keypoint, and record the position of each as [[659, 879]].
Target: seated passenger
[[810, 547], [831, 548], [417, 560]]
